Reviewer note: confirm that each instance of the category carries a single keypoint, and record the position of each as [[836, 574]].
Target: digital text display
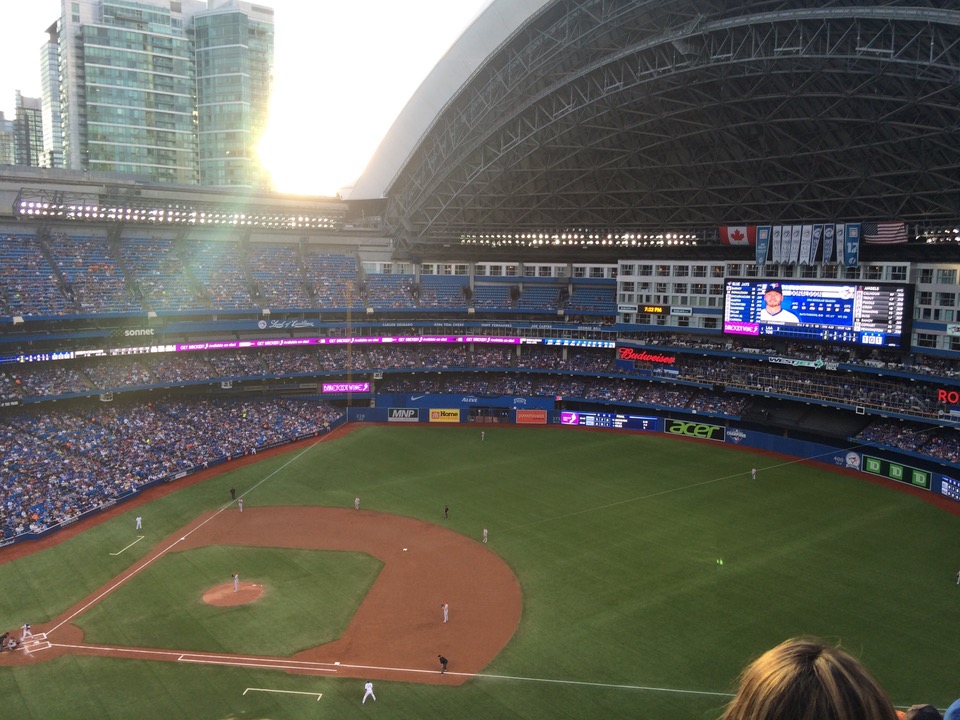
[[610, 421], [856, 313]]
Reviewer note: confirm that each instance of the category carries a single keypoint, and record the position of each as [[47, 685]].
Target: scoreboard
[[610, 421]]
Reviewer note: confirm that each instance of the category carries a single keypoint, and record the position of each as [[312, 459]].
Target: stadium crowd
[[59, 463], [908, 395], [55, 458]]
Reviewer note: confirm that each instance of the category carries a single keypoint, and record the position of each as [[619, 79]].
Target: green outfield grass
[[615, 539]]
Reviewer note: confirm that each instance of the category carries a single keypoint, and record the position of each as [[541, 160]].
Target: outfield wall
[[904, 467], [914, 470]]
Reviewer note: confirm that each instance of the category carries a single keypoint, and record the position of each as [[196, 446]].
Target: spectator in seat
[[806, 679]]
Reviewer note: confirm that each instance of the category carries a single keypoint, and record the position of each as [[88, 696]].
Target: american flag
[[884, 233]]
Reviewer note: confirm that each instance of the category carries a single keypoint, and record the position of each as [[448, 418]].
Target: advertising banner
[[695, 430], [444, 415], [531, 417], [403, 415]]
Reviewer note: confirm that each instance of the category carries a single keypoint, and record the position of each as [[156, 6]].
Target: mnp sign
[[403, 415], [444, 415]]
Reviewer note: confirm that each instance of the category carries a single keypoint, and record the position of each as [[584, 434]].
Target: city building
[[234, 61], [28, 132], [138, 95], [50, 102], [7, 140]]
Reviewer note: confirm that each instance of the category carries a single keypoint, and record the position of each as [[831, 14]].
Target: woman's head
[[805, 679]]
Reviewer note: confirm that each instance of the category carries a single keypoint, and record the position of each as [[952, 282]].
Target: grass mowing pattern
[[614, 538], [308, 600]]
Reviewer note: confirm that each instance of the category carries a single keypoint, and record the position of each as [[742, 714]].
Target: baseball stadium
[[633, 354]]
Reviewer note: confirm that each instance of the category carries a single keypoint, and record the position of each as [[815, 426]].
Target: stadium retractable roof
[[606, 116]]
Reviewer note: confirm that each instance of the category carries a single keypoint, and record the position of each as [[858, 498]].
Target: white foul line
[[148, 562], [289, 692], [307, 665], [485, 676], [139, 538]]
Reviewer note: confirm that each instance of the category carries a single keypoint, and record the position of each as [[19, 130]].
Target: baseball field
[[626, 575]]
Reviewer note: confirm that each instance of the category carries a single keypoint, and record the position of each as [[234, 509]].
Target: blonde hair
[[806, 679]]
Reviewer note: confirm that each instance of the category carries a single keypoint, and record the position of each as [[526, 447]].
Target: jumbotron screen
[[610, 420], [851, 313]]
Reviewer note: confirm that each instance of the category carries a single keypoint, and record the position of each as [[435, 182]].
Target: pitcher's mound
[[224, 595]]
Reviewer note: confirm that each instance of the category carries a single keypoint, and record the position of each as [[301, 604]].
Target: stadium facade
[[588, 224]]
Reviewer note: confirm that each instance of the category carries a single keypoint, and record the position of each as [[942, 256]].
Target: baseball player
[[139, 523], [446, 611], [240, 504], [236, 582], [356, 505], [484, 535], [368, 691], [443, 664], [25, 632], [753, 473]]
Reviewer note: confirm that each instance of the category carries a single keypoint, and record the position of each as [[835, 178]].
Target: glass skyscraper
[[234, 51], [173, 91], [50, 102], [28, 132]]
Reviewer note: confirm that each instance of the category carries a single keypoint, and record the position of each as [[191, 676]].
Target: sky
[[343, 71]]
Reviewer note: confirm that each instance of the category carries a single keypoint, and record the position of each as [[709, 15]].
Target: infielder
[[236, 582], [356, 505], [446, 611], [368, 692]]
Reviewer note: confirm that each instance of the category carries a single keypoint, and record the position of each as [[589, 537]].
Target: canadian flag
[[738, 234]]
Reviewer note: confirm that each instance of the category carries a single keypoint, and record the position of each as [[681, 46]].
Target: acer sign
[[695, 430], [637, 355]]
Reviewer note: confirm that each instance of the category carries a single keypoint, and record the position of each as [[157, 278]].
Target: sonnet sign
[[637, 355]]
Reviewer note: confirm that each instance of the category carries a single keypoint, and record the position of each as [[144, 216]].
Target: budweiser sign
[[636, 355]]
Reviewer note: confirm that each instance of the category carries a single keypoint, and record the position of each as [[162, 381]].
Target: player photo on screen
[[854, 313], [773, 310]]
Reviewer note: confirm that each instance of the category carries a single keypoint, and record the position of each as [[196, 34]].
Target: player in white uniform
[[356, 502], [368, 692], [774, 312], [446, 611]]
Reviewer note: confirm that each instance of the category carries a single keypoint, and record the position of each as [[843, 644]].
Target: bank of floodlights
[[941, 236], [45, 205], [578, 239]]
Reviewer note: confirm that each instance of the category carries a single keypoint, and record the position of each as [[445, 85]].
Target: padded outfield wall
[[939, 478]]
